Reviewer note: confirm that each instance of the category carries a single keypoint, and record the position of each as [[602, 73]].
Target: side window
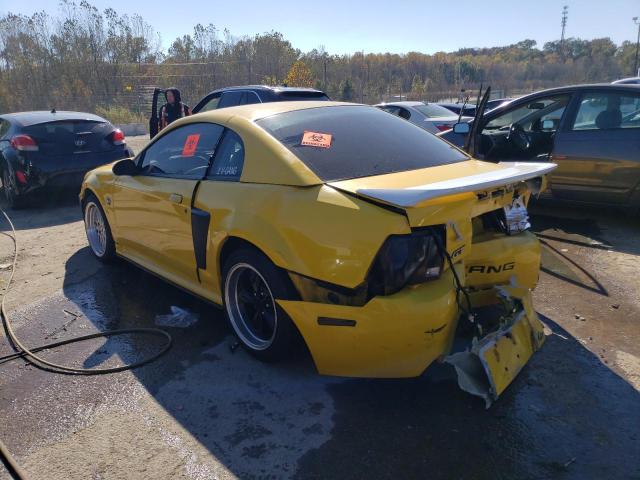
[[182, 153], [604, 111], [230, 99], [404, 113], [211, 104], [251, 97], [229, 158], [391, 109], [529, 114]]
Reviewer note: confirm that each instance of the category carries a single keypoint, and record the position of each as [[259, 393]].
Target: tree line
[[86, 59]]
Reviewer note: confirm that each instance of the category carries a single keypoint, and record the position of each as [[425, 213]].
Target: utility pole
[[635, 65], [565, 15], [324, 75]]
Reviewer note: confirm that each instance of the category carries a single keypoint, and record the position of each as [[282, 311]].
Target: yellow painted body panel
[[322, 232], [314, 231], [495, 261], [394, 336]]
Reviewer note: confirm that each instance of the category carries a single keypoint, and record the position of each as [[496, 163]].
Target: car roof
[[256, 111], [583, 87], [628, 81], [457, 105], [400, 104], [275, 89], [25, 119]]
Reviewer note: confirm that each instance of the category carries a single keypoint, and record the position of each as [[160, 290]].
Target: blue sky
[[344, 26]]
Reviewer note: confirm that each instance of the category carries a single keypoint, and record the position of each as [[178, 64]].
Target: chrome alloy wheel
[[251, 306], [95, 226]]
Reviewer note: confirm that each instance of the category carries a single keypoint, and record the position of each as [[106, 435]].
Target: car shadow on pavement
[[567, 414], [594, 227], [44, 211]]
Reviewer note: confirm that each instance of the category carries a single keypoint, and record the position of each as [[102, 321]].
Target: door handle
[[175, 198]]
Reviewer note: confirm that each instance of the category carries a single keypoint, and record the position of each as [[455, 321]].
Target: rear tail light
[[444, 128], [24, 143], [117, 137], [406, 260], [21, 177]]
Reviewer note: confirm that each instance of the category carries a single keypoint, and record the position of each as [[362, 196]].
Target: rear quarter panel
[[314, 231]]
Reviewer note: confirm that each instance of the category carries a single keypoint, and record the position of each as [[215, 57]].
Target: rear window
[[345, 142], [66, 127], [430, 110], [301, 96]]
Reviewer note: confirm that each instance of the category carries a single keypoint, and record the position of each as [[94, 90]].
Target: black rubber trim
[[200, 220], [336, 322]]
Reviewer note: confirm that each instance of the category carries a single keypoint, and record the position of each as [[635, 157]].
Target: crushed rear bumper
[[400, 335]]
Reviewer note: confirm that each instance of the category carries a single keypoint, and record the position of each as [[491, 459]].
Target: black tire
[[277, 334], [11, 197], [91, 206]]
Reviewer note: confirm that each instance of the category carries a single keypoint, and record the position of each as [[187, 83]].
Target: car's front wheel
[[252, 284], [97, 229]]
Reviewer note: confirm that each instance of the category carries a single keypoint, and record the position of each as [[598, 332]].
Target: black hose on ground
[[29, 352]]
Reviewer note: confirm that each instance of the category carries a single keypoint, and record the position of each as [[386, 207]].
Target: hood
[[415, 187]]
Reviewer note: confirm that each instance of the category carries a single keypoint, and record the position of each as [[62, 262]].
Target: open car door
[[473, 139], [154, 120]]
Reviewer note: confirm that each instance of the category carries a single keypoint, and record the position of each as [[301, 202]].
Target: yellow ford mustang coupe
[[377, 242]]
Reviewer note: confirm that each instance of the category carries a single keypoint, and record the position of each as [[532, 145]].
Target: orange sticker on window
[[190, 145], [316, 139]]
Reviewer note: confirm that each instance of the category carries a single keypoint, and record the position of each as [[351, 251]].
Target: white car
[[628, 81], [433, 118]]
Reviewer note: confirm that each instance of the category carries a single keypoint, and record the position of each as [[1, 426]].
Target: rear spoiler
[[512, 172]]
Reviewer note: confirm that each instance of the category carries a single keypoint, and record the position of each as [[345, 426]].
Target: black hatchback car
[[53, 151], [241, 95]]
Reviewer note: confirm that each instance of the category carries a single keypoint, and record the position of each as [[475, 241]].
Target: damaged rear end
[[477, 225]]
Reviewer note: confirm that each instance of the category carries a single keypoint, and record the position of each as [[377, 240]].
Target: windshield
[[432, 110], [342, 142]]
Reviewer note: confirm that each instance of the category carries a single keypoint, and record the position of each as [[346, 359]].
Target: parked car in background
[[497, 102], [591, 131], [468, 109], [53, 150], [627, 81], [339, 224], [433, 118], [239, 95]]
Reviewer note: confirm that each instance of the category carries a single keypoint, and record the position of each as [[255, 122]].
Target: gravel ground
[[204, 411]]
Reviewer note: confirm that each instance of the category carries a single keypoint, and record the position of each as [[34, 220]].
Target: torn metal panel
[[493, 361]]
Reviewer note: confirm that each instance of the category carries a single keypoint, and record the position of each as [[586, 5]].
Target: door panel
[[153, 215], [153, 208], [598, 157]]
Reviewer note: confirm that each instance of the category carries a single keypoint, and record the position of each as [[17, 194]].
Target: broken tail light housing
[[517, 216], [117, 137], [406, 260], [24, 143]]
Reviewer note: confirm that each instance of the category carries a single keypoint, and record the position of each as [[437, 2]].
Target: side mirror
[[125, 167], [461, 128], [548, 125]]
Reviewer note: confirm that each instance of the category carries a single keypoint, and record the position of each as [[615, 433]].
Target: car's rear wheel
[[252, 284], [97, 229]]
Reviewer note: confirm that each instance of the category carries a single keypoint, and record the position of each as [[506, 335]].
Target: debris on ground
[[179, 317]]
